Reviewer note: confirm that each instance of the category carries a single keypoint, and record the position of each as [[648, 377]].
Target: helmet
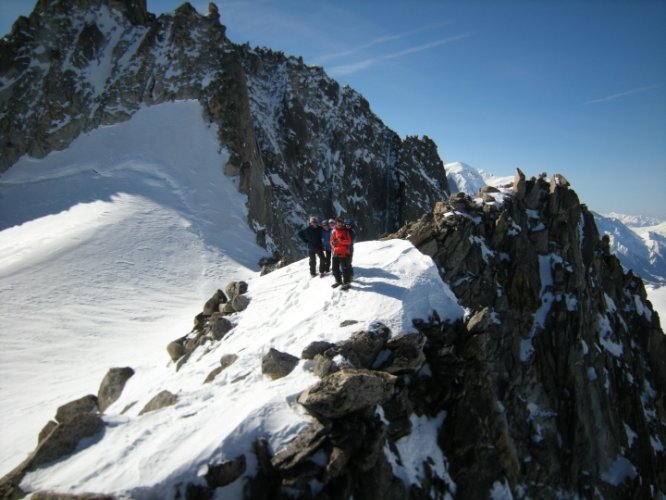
[[324, 221], [349, 222]]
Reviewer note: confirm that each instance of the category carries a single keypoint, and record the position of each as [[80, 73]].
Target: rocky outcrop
[[212, 324], [558, 385], [56, 441], [298, 142]]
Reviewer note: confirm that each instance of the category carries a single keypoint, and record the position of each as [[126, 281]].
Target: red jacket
[[341, 242]]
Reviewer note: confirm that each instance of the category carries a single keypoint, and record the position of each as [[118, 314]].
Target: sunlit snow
[[107, 252]]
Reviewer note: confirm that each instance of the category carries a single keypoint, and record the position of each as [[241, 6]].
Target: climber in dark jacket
[[327, 228], [313, 237]]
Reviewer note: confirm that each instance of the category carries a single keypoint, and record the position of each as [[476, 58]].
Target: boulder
[[176, 349], [276, 364], [316, 347], [365, 345], [236, 288], [65, 438], [218, 326], [86, 404], [212, 305], [347, 391], [239, 303], [161, 400], [406, 354], [112, 386]]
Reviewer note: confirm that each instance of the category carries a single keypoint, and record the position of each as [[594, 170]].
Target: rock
[[46, 430], [239, 303], [212, 305], [159, 401], [86, 404], [406, 354], [276, 364], [236, 288], [219, 475], [289, 461], [323, 365], [176, 349], [347, 391], [314, 348], [519, 184], [112, 386], [365, 346], [65, 438], [226, 361], [218, 326], [480, 322]]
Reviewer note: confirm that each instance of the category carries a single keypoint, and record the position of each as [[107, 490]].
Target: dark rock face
[[299, 143], [558, 383]]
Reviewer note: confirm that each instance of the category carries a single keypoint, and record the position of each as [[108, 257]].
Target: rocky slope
[[560, 378], [299, 143]]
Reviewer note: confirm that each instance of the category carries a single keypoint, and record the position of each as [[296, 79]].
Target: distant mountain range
[[638, 241]]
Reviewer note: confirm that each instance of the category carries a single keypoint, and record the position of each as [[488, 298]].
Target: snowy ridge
[[119, 241], [395, 284]]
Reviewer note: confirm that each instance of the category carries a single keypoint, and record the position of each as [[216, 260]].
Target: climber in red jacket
[[341, 242]]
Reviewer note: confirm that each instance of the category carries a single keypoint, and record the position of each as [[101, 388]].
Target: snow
[[657, 296], [107, 252], [415, 447], [621, 470]]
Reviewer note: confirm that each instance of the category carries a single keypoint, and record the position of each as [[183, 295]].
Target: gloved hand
[[335, 242]]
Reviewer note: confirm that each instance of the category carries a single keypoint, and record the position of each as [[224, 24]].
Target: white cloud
[[347, 69], [623, 94]]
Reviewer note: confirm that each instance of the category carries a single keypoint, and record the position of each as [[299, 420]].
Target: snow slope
[[467, 179], [107, 251], [218, 421]]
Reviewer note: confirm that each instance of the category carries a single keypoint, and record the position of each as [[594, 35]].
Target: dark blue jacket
[[326, 234], [313, 237]]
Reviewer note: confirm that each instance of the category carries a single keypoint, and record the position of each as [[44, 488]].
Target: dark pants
[[327, 260], [314, 253], [342, 270]]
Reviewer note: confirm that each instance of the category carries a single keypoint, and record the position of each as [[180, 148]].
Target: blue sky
[[570, 87]]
